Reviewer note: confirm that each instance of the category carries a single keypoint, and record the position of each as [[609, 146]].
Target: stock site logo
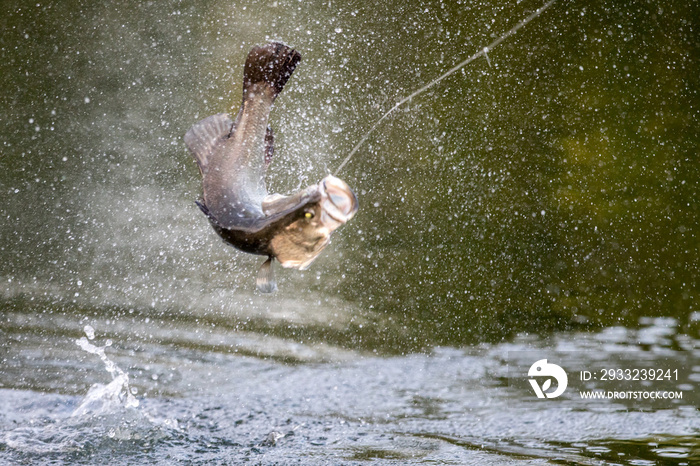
[[546, 372]]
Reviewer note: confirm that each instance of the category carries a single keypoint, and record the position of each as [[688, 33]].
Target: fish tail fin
[[270, 65], [265, 282]]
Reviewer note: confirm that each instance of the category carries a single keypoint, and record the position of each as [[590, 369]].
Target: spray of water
[[103, 398], [483, 52]]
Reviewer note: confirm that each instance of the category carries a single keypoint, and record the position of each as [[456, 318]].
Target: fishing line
[[482, 52]]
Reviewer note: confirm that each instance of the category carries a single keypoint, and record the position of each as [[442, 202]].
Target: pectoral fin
[[265, 282], [274, 204]]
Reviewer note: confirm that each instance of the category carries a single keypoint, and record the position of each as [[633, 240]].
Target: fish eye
[[309, 215]]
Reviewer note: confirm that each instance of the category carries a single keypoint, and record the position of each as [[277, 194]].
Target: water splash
[[481, 53], [106, 421], [101, 399]]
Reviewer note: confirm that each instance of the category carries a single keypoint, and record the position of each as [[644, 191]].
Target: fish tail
[[270, 65]]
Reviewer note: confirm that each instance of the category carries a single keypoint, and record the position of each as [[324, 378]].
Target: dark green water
[[545, 195]]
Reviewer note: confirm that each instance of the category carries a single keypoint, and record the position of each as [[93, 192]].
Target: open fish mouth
[[339, 204], [332, 204]]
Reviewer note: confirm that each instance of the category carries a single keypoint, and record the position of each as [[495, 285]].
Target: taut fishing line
[[482, 52]]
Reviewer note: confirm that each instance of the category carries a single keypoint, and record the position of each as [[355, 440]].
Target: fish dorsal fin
[[269, 146], [203, 136], [265, 282]]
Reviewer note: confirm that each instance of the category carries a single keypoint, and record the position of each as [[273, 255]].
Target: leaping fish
[[233, 156]]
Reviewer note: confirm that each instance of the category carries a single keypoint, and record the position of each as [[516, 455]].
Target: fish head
[[303, 239]]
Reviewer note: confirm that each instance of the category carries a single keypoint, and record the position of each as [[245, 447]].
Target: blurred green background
[[552, 188]]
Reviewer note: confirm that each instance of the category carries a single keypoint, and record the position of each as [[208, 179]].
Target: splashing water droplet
[[102, 398]]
